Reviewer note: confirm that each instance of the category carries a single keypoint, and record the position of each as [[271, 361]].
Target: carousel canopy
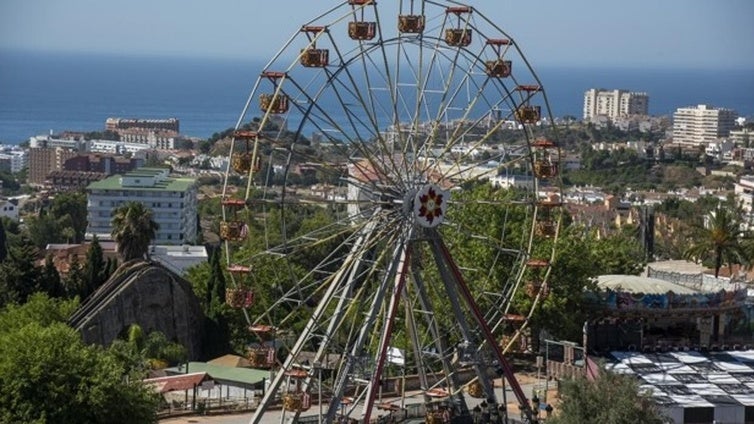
[[639, 284], [631, 293]]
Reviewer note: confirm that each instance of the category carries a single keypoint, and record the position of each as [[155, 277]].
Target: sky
[[636, 33]]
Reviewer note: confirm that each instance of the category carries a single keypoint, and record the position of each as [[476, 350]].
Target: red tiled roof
[[177, 382]]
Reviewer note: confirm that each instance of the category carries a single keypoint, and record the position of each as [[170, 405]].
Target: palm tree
[[720, 240], [133, 230]]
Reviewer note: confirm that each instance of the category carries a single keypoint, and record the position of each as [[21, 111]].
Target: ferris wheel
[[392, 204]]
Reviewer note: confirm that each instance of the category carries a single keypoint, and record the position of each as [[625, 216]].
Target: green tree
[[610, 399], [65, 222], [39, 308], [42, 358], [75, 280], [160, 352], [51, 282], [69, 234], [70, 210], [565, 308], [217, 285], [133, 230], [720, 240], [199, 276], [95, 269], [78, 383], [620, 253], [44, 229], [217, 340], [3, 243], [19, 275], [141, 352]]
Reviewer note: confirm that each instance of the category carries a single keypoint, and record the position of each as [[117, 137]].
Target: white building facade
[[173, 202], [702, 124], [614, 103], [9, 209], [744, 191]]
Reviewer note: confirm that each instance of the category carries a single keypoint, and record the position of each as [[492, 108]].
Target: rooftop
[[685, 379], [178, 184], [639, 284], [246, 376]]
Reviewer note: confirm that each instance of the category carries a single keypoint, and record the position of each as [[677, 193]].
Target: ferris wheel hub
[[429, 205]]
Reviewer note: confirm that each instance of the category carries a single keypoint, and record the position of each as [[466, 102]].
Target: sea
[[52, 92]]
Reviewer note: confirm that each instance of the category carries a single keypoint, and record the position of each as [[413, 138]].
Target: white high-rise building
[[614, 103], [173, 202], [702, 124]]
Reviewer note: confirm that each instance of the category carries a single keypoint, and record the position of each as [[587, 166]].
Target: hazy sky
[[636, 33]]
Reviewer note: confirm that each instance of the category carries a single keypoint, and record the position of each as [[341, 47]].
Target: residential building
[[702, 124], [9, 208], [50, 142], [513, 181], [719, 150], [118, 124], [172, 200], [44, 160], [155, 139], [176, 258], [80, 170], [115, 147], [744, 191], [614, 103], [13, 160], [742, 137], [59, 181], [102, 163]]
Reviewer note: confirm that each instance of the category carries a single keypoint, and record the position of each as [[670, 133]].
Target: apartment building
[[173, 202], [118, 124], [155, 139], [14, 160], [702, 124], [742, 137], [103, 163], [44, 160], [614, 103]]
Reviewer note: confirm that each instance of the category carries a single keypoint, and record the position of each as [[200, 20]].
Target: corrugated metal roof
[[244, 376], [177, 382]]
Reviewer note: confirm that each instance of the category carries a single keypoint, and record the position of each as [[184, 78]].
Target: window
[[698, 415]]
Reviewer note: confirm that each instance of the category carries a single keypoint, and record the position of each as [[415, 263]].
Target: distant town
[[625, 174], [717, 137]]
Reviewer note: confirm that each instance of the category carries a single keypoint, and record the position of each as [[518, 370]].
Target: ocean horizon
[[42, 92]]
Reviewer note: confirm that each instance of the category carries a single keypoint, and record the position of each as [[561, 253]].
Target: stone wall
[[146, 294]]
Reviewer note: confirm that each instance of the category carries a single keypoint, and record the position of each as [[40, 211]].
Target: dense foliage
[[60, 220], [22, 274], [48, 375], [610, 399]]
